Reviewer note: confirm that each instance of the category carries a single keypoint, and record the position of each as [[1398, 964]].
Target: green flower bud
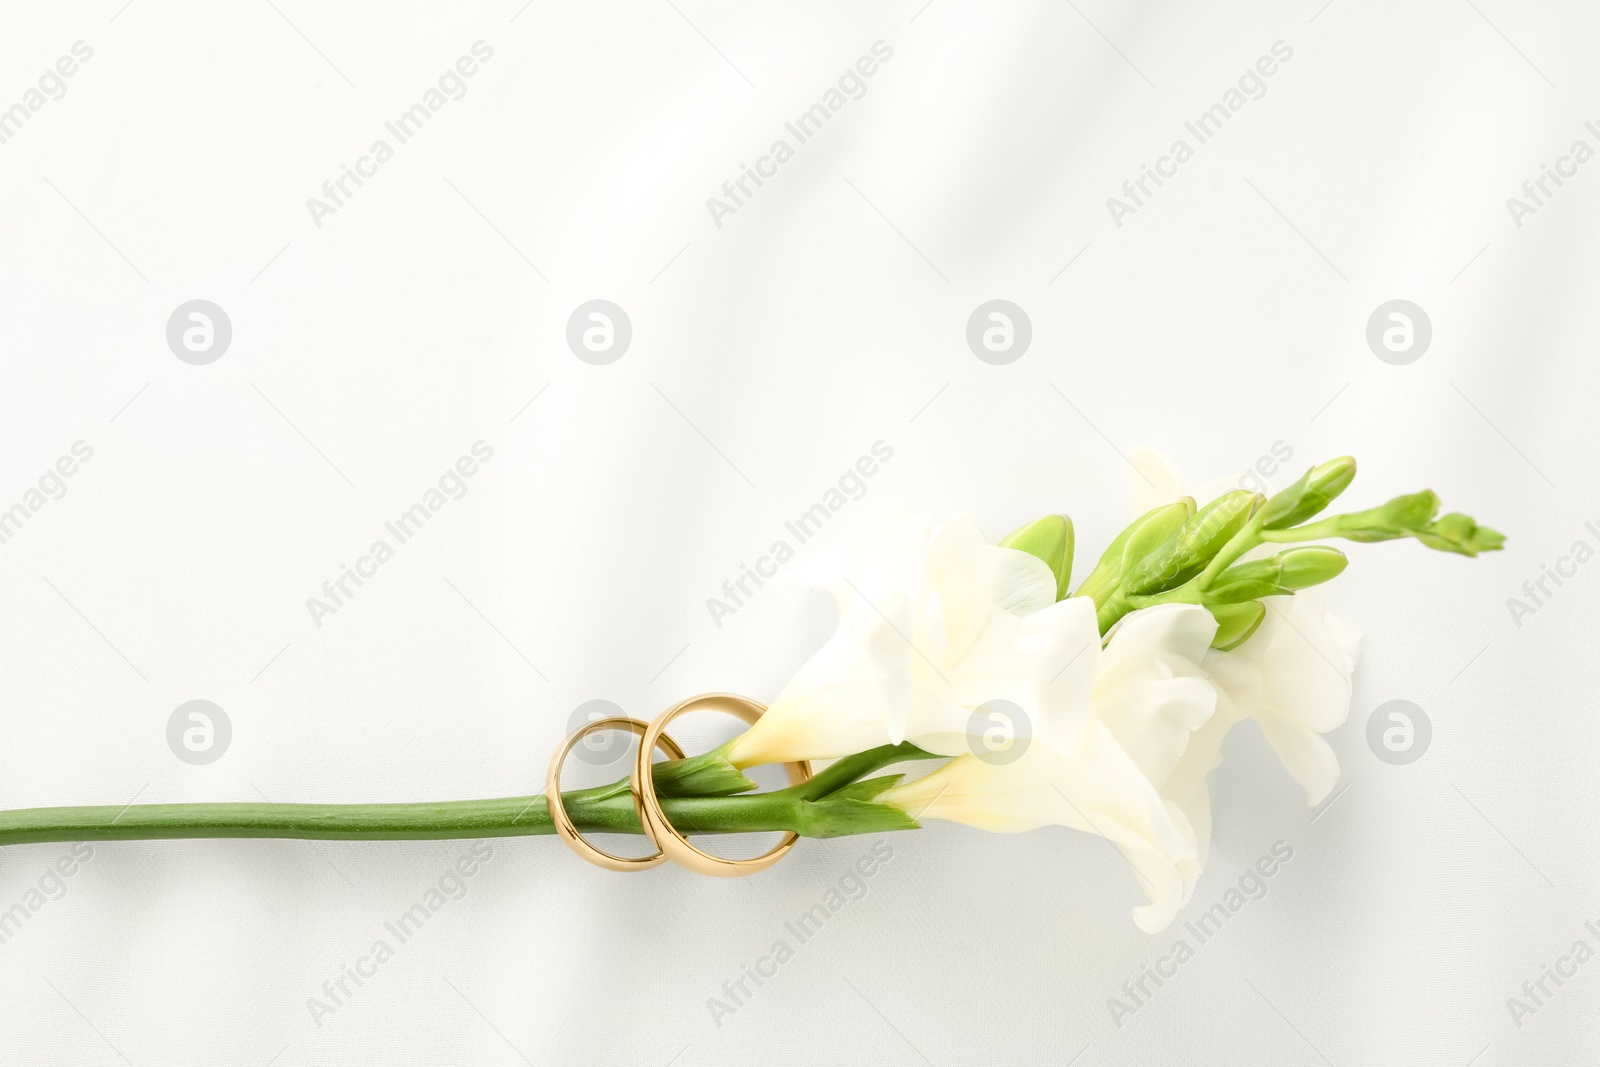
[[1280, 508], [1315, 490], [1460, 533], [1311, 565], [1236, 622], [1334, 476], [1107, 573], [1216, 523], [1401, 517], [1413, 511], [1187, 552], [1154, 536], [1050, 539]]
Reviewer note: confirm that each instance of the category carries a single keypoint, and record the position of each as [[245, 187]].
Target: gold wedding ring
[[674, 845], [558, 812]]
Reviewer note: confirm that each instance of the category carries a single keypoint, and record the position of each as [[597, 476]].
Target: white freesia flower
[[1113, 761], [1293, 675], [933, 622], [1115, 739]]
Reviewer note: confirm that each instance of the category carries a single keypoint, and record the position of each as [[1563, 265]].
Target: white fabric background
[[1226, 317]]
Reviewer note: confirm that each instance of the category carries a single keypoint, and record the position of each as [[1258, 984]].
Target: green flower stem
[[502, 817], [1238, 545], [804, 809], [1313, 531]]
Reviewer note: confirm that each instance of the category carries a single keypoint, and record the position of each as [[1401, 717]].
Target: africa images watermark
[[736, 191], [1537, 191], [1205, 126], [450, 886], [850, 886], [1537, 592], [337, 191], [1537, 992], [51, 886], [1257, 477], [51, 485], [852, 485], [51, 85], [451, 485], [1251, 885]]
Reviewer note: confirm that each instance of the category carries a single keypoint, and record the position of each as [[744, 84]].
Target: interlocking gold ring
[[558, 811], [674, 845]]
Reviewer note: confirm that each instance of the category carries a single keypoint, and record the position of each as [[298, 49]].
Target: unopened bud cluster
[[1178, 553]]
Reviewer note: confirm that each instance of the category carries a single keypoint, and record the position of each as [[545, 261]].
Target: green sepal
[[706, 775], [1248, 581], [852, 810], [1235, 623], [866, 789], [1280, 575]]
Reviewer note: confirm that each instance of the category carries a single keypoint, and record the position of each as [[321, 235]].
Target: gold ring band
[[674, 845], [558, 811]]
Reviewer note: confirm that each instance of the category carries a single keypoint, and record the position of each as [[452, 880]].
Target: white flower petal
[[1098, 790], [1306, 755], [1186, 785], [1023, 583], [1305, 673], [960, 567], [840, 701], [934, 623], [1151, 690], [1044, 663]]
